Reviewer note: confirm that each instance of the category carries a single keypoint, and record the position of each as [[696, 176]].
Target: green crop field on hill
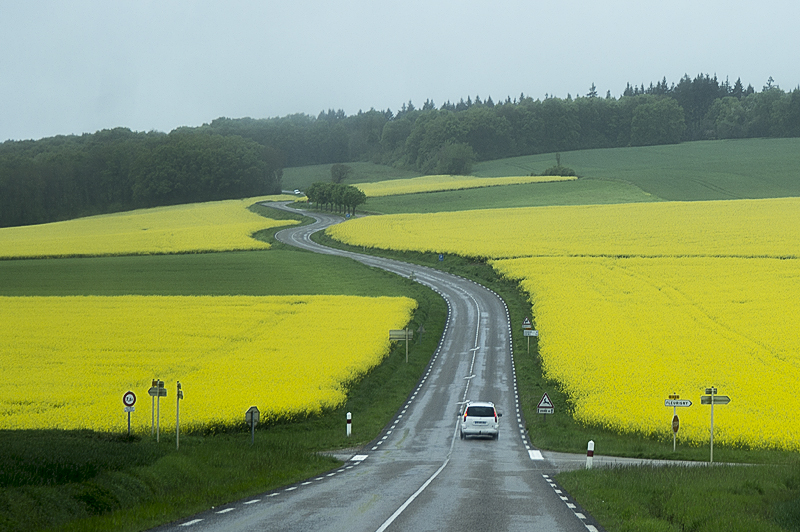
[[692, 171]]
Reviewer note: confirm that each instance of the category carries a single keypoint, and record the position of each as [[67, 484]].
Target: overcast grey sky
[[70, 67]]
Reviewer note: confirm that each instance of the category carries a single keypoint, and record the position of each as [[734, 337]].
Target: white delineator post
[[590, 454], [349, 424]]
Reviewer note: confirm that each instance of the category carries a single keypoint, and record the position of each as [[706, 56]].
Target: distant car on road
[[480, 418], [297, 192]]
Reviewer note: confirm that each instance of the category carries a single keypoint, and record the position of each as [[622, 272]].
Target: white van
[[480, 418]]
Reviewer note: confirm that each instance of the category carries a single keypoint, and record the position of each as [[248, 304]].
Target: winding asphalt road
[[418, 475]]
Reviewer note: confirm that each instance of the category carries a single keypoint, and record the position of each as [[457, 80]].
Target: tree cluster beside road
[[344, 198]]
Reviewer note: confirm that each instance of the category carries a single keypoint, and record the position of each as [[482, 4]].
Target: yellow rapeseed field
[[769, 227], [67, 361], [213, 226], [438, 183], [623, 334], [635, 302]]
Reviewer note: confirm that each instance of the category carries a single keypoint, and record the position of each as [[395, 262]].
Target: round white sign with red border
[[129, 399]]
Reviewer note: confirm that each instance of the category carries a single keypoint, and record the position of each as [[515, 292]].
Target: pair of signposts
[[156, 391], [711, 398]]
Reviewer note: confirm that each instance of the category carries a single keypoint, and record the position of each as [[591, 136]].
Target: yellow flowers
[[746, 228], [623, 334], [66, 361], [437, 183], [636, 302], [214, 226]]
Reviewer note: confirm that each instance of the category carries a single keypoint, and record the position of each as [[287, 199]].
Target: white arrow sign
[[677, 402]]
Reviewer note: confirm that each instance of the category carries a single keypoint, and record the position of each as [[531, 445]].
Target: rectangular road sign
[[530, 332], [400, 334], [157, 392], [677, 402], [718, 399]]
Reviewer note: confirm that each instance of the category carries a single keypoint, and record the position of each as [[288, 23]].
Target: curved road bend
[[419, 475]]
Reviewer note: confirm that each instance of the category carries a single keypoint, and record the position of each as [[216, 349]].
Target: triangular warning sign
[[545, 402]]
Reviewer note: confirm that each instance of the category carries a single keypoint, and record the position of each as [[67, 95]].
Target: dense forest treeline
[[67, 176], [113, 170]]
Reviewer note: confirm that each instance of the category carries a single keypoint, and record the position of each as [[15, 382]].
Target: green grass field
[[87, 481], [580, 192], [692, 171], [707, 170]]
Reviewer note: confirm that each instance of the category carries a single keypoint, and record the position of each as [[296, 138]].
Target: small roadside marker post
[[349, 424], [590, 454], [251, 417]]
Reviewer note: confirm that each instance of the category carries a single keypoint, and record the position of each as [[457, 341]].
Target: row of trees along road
[[343, 198], [63, 177]]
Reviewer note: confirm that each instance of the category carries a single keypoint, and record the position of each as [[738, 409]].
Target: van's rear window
[[480, 411]]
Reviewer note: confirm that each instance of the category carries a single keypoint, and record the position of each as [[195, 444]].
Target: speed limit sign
[[129, 399]]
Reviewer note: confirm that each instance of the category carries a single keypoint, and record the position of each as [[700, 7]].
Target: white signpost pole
[[158, 415], [712, 391], [713, 399], [153, 408], [178, 417], [674, 401]]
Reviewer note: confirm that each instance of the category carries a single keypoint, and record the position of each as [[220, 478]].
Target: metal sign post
[[402, 335], [178, 417], [527, 326], [675, 401], [713, 399], [251, 417], [129, 399], [530, 333], [157, 391]]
